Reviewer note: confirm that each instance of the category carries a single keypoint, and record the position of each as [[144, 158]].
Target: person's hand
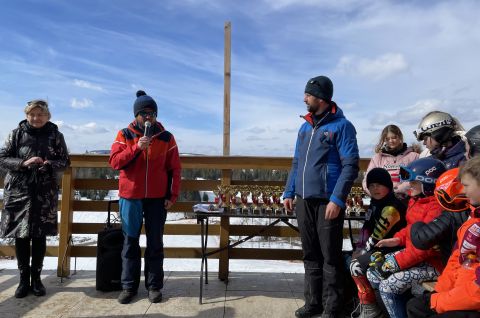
[[32, 161], [390, 242], [168, 204], [390, 265], [332, 211], [143, 142], [376, 261], [288, 203]]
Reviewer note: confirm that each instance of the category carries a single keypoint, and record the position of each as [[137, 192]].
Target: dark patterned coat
[[31, 193]]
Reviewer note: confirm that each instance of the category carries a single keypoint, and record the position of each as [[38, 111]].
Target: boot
[[24, 285], [371, 311], [39, 247], [22, 251], [37, 287]]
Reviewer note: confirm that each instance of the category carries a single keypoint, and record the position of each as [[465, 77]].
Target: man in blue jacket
[[324, 166]]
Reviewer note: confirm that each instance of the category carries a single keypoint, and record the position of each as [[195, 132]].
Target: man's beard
[[312, 108]]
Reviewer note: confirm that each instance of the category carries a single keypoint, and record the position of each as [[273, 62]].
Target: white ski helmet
[[439, 125]]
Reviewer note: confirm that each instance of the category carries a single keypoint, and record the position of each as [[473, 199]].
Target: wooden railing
[[68, 205]]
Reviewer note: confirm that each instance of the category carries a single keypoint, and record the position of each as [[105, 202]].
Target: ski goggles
[[452, 202], [420, 134], [407, 174]]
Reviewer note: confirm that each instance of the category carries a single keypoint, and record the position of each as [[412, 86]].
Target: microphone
[[148, 125]]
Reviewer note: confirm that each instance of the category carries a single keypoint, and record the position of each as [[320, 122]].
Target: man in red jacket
[[147, 157]]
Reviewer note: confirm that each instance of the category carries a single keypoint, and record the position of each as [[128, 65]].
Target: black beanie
[[143, 101], [320, 87], [381, 176]]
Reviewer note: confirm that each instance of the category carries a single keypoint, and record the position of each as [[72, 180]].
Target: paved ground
[[246, 295]]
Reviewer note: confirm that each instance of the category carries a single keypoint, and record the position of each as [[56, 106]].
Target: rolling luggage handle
[[116, 220]]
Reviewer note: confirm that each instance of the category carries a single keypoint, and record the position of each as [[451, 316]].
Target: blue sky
[[390, 61]]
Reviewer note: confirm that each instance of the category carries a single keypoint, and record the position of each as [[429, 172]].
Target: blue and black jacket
[[325, 162]]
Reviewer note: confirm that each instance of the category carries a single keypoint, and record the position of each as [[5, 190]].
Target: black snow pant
[[322, 242]]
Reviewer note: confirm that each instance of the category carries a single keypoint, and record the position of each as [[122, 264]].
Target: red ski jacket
[[419, 209], [152, 173]]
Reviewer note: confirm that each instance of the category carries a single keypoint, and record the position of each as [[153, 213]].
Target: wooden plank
[[96, 184], [204, 162], [66, 219], [170, 229], [223, 262], [101, 206], [276, 231], [112, 184], [9, 250], [170, 252], [268, 254]]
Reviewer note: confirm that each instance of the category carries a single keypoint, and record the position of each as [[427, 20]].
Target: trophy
[[357, 198], [232, 194], [244, 192], [277, 200], [220, 198], [267, 203], [255, 200]]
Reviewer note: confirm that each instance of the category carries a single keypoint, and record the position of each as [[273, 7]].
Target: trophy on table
[[277, 200], [220, 198], [267, 202], [357, 198], [244, 192], [256, 200], [232, 194]]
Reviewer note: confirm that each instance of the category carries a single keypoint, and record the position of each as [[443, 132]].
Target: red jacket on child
[[419, 209]]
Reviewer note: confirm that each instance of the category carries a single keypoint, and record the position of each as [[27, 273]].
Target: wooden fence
[[68, 205]]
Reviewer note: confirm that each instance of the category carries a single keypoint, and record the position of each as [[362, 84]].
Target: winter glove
[[390, 265], [376, 261], [376, 258], [470, 241]]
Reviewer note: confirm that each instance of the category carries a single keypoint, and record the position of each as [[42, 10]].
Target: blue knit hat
[[143, 101]]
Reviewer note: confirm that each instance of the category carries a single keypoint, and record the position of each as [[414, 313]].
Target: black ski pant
[[322, 242]]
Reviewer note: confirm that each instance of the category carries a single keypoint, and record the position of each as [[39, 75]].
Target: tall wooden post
[[66, 219], [223, 265], [226, 90]]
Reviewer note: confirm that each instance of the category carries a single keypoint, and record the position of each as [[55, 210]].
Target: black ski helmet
[[473, 138]]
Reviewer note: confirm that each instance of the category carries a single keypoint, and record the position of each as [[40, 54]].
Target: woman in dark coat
[[33, 155]]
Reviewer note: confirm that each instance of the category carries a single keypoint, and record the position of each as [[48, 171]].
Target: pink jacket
[[392, 165]]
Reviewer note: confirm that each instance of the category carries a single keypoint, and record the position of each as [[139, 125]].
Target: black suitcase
[[109, 259]]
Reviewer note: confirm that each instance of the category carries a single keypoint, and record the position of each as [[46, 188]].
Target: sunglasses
[[145, 114], [37, 102]]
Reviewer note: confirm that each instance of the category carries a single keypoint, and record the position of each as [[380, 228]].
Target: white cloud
[[81, 103], [88, 128], [89, 85], [378, 68]]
